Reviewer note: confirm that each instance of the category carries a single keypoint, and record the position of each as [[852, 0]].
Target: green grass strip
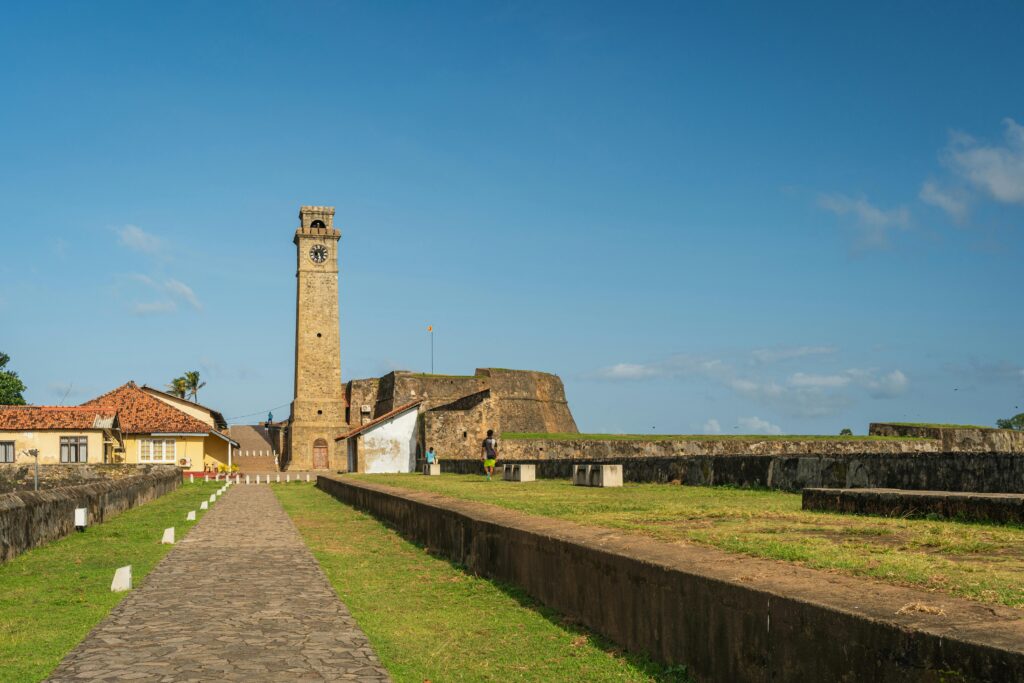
[[973, 560], [52, 596], [429, 620], [697, 437]]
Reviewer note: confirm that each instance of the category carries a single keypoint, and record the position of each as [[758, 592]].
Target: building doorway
[[320, 461]]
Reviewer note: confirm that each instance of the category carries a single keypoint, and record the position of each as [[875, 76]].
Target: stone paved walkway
[[281, 622]]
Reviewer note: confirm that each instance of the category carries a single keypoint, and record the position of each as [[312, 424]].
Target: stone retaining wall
[[727, 618], [21, 477], [980, 472], [1002, 508], [33, 518], [970, 439]]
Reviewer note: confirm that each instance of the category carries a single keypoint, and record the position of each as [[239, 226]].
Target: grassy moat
[[981, 562]]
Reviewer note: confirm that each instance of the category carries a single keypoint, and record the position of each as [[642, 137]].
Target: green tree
[[178, 387], [846, 432], [11, 386], [193, 384], [1015, 422]]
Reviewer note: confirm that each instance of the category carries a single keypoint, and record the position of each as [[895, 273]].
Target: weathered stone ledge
[[557, 449], [32, 518], [727, 617], [1003, 508], [982, 472]]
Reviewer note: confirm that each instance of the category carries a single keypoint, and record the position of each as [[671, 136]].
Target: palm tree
[[178, 387], [193, 384]]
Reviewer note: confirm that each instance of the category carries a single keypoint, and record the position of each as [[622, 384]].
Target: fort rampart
[[32, 518]]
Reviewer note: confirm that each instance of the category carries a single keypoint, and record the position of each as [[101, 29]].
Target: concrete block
[[520, 473], [581, 475], [81, 518], [191, 516], [432, 470], [168, 536], [605, 476], [122, 580], [204, 506]]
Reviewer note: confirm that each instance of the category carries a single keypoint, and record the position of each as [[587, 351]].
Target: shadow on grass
[[664, 673]]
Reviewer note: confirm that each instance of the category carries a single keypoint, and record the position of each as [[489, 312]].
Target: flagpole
[[430, 329]]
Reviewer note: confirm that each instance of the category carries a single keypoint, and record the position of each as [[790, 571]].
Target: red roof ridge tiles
[[29, 418], [377, 420], [141, 413]]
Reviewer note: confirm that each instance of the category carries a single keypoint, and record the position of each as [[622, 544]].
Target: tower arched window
[[317, 224]]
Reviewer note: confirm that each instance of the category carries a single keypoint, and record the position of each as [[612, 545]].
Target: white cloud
[[183, 291], [755, 425], [629, 371], [949, 201], [995, 169], [154, 307], [712, 427], [880, 386], [134, 237], [801, 379], [872, 222]]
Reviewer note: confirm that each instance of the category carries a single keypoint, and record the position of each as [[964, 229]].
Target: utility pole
[[35, 453], [430, 329]]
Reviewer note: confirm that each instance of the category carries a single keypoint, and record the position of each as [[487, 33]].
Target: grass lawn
[[52, 596], [429, 620], [981, 562], [697, 437]]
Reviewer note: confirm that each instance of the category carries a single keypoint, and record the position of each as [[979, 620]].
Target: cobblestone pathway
[[239, 599]]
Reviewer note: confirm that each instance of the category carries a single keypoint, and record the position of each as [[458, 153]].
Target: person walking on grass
[[489, 450]]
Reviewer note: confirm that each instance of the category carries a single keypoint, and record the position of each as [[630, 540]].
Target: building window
[[156, 450], [6, 451], [74, 449]]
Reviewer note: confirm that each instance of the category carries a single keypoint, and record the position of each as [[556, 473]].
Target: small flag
[[430, 328]]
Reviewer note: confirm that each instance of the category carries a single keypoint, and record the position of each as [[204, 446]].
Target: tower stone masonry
[[318, 408]]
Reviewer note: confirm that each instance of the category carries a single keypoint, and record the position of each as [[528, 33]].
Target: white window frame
[[166, 455]]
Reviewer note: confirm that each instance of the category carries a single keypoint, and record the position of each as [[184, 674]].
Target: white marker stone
[[307, 477], [204, 506], [191, 478], [278, 478], [191, 516], [247, 479], [287, 478], [168, 536], [122, 580], [81, 518], [213, 497]]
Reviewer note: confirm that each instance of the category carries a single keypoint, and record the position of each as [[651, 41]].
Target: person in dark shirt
[[489, 450]]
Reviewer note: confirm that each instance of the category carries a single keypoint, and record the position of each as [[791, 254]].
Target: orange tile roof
[[26, 418], [376, 421], [141, 413]]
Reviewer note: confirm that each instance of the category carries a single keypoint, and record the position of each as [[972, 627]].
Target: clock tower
[[318, 409]]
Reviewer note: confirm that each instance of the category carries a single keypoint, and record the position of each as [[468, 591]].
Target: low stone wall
[[727, 618], [21, 477], [33, 518], [1002, 508], [957, 439], [980, 472]]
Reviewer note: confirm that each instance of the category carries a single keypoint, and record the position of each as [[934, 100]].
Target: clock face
[[318, 253]]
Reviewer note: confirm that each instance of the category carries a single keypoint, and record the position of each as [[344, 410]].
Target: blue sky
[[735, 217]]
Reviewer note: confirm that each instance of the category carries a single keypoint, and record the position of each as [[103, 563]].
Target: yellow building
[[59, 434], [159, 428]]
